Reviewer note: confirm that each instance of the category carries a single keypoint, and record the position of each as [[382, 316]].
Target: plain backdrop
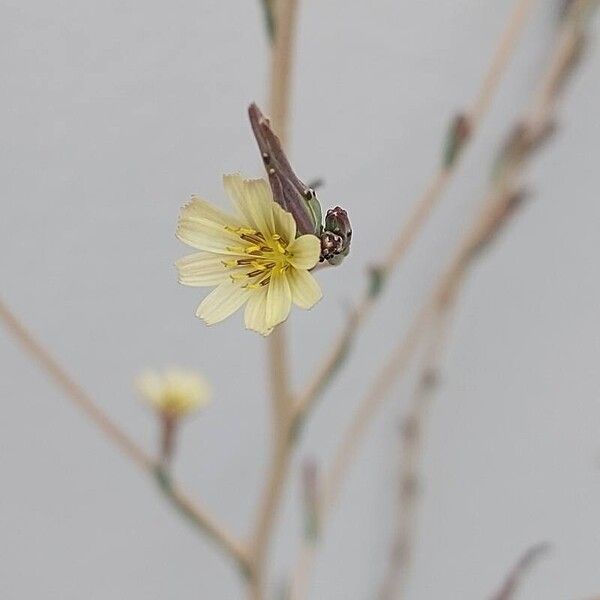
[[112, 113]]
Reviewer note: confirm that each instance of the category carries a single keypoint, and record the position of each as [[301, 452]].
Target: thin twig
[[44, 359], [283, 442], [496, 207], [394, 366], [423, 207], [499, 204], [412, 432], [524, 564]]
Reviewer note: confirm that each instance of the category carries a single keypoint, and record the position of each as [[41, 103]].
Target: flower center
[[259, 257]]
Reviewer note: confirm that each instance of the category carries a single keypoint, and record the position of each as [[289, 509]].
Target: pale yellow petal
[[285, 225], [255, 314], [259, 204], [279, 298], [176, 391], [202, 268], [187, 387], [304, 251], [150, 385], [209, 236], [223, 301], [202, 209], [253, 199], [306, 292]]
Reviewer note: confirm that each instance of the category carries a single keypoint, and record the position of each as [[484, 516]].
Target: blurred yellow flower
[[253, 258], [175, 392]]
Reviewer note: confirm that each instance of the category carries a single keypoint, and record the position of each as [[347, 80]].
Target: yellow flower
[[174, 392], [253, 257]]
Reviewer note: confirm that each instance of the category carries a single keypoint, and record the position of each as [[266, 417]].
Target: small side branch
[[504, 196], [522, 567], [412, 434], [120, 439]]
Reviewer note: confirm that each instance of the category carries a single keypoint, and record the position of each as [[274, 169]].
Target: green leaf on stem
[[269, 18]]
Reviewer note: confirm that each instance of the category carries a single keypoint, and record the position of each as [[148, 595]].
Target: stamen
[[266, 277], [251, 238], [255, 273]]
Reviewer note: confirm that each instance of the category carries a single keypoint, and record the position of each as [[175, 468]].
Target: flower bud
[[336, 237], [288, 191]]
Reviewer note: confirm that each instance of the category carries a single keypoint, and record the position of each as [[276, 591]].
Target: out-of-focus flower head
[[174, 393]]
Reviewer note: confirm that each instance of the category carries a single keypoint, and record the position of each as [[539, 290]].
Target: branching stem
[[196, 513]]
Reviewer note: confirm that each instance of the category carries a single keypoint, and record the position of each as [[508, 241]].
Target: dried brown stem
[[46, 361], [423, 207]]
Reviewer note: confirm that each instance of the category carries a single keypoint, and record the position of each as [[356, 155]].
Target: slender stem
[[46, 361], [73, 390], [394, 366], [424, 205], [282, 442], [496, 207], [504, 51], [281, 67], [510, 585], [277, 357], [412, 433]]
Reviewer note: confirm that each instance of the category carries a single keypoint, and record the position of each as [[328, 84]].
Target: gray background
[[111, 114]]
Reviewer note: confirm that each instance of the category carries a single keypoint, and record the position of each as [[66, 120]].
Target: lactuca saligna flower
[[174, 395], [175, 392], [253, 258]]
